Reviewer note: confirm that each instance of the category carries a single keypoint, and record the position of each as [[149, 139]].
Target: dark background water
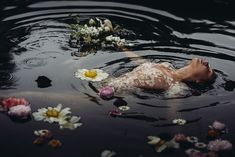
[[34, 42]]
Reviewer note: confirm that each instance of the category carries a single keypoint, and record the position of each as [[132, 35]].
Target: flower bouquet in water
[[97, 34]]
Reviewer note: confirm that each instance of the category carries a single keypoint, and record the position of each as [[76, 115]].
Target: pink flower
[[12, 101], [107, 92], [20, 111], [115, 113], [180, 138], [218, 126], [219, 145]]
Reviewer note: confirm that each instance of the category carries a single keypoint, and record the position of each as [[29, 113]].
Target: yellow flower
[[91, 75]]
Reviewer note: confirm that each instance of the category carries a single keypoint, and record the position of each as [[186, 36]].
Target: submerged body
[[150, 76], [162, 77]]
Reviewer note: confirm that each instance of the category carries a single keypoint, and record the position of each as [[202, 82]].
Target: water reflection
[[34, 46]]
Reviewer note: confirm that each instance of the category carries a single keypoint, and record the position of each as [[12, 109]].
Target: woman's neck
[[182, 74]]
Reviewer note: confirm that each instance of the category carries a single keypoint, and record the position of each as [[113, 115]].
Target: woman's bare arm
[[132, 55]]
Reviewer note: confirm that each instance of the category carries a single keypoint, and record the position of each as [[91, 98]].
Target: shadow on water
[[35, 46]]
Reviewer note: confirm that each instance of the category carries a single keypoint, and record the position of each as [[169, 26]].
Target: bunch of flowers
[[94, 35], [58, 115], [44, 136], [216, 129], [16, 107], [191, 144]]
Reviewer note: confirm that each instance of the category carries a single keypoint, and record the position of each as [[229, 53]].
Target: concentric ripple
[[34, 62], [41, 33], [35, 42]]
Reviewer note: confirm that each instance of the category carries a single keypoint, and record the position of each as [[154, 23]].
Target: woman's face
[[200, 71]]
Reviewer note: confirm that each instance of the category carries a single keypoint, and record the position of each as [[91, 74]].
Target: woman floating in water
[[157, 76], [160, 76]]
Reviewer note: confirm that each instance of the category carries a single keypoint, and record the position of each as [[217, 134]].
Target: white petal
[[64, 112], [58, 107], [37, 116]]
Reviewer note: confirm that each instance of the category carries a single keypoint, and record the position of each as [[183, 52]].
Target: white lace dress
[[150, 76]]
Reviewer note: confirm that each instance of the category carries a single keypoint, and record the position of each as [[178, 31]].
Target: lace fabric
[[149, 76]]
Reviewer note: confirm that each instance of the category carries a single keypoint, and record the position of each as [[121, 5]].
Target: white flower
[[52, 114], [71, 123], [44, 133], [192, 139], [179, 121], [200, 145], [91, 22], [108, 153], [123, 108], [41, 132], [172, 144], [191, 151], [115, 40], [153, 140], [107, 29], [91, 75]]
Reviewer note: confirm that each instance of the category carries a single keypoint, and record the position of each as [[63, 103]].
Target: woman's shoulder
[[167, 65]]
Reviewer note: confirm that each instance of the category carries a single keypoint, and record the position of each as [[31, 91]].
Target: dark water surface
[[34, 42]]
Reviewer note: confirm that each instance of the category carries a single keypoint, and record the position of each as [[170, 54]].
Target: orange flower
[[55, 143], [213, 133]]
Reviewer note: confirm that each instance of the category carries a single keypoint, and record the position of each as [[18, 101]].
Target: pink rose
[[12, 101], [20, 111], [107, 92], [115, 113], [180, 138], [219, 145], [218, 125]]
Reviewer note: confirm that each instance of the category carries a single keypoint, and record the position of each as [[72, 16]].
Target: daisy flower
[[191, 151], [179, 121], [153, 140], [44, 133], [71, 123], [91, 75], [52, 114], [192, 139], [200, 145], [123, 108]]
